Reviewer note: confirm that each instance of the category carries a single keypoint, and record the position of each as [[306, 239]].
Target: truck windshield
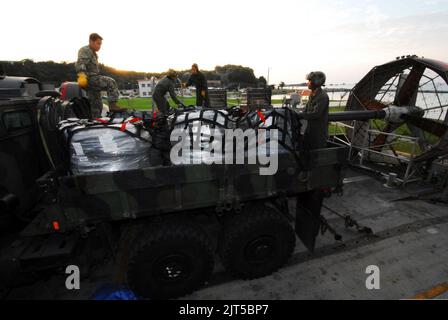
[[16, 120]]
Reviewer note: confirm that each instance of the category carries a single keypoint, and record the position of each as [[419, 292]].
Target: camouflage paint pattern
[[96, 85], [124, 195], [87, 62]]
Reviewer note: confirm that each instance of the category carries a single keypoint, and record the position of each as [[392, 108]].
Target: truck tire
[[171, 261], [256, 243]]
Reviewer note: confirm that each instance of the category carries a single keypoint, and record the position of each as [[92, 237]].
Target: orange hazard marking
[[261, 115], [433, 292]]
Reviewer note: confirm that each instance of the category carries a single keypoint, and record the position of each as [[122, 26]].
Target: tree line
[[231, 76]]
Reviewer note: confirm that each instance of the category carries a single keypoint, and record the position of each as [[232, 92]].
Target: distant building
[[146, 87], [129, 92]]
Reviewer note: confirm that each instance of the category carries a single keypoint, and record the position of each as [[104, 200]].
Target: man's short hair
[[195, 65], [171, 73], [94, 37]]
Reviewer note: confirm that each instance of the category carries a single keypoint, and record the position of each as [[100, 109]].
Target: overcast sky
[[344, 38]]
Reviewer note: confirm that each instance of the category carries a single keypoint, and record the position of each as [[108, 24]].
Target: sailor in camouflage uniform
[[198, 79], [164, 86], [316, 112], [89, 78]]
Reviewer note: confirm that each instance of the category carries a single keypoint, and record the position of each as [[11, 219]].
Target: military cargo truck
[[164, 226]]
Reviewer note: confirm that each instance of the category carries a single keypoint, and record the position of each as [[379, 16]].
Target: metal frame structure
[[410, 83], [369, 149]]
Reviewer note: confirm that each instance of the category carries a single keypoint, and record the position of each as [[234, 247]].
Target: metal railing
[[387, 152]]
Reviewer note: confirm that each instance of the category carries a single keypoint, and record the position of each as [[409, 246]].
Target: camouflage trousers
[[96, 85]]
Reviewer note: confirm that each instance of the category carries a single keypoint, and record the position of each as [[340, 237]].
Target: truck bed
[[157, 190]]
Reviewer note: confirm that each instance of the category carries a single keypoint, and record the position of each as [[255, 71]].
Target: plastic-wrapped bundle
[[204, 120], [207, 120], [279, 119], [98, 147], [263, 146]]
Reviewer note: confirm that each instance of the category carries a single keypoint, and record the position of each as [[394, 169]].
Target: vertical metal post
[[366, 142], [351, 144], [411, 162]]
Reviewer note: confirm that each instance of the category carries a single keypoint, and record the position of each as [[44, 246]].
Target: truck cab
[[21, 156]]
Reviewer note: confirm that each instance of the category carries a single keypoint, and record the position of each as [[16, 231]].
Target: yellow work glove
[[203, 93], [82, 80]]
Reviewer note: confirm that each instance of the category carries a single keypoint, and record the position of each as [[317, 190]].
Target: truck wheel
[[173, 260], [257, 242]]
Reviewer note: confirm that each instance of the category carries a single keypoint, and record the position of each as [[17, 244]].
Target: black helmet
[[317, 78]]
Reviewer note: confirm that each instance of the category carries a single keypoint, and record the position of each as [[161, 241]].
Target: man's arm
[[173, 94], [322, 104], [83, 60]]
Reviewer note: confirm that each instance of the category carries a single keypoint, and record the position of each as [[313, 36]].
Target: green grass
[[146, 103], [337, 109]]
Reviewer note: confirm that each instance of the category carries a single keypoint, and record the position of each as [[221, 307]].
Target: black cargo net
[[92, 150], [281, 119]]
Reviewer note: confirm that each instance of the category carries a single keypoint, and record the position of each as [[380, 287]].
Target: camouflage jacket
[[163, 86], [87, 62], [198, 80], [316, 112]]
